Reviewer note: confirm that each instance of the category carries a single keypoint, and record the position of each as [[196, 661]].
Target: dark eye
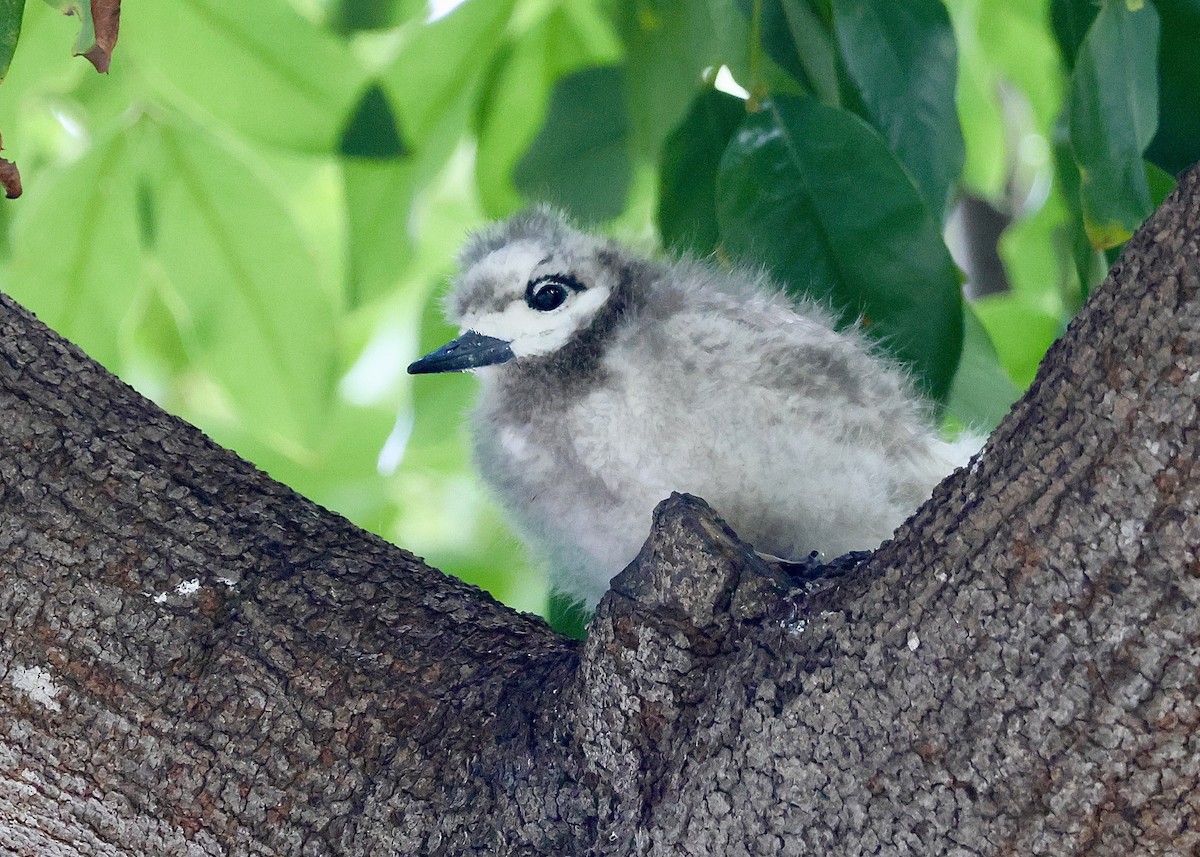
[[546, 295]]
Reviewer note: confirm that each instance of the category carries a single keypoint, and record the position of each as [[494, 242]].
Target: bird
[[610, 379]]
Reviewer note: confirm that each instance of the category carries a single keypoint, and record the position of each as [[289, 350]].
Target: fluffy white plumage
[[609, 381]]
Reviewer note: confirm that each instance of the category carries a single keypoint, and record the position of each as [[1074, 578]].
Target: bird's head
[[527, 287]]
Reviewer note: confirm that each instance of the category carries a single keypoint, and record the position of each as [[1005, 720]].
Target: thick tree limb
[[194, 660]]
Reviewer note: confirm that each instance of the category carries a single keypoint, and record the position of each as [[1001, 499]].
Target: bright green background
[[251, 217]]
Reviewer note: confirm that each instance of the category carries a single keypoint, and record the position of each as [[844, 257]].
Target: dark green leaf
[[372, 131], [1071, 19], [1176, 146], [687, 207], [814, 193], [349, 16], [1113, 114], [902, 58], [799, 38], [580, 159], [11, 12]]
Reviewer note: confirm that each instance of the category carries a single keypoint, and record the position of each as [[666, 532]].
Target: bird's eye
[[546, 295]]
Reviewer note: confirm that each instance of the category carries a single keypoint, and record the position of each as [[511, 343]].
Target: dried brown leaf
[[106, 20]]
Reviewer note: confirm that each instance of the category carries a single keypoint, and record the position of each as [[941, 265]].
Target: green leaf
[[258, 67], [800, 39], [1010, 93], [379, 198], [441, 65], [983, 392], [902, 58], [1161, 184], [372, 131], [255, 315], [687, 203], [81, 10], [1071, 20], [668, 46], [1176, 146], [76, 260], [580, 160], [11, 12], [349, 16], [813, 193], [1113, 114], [516, 95], [1021, 333]]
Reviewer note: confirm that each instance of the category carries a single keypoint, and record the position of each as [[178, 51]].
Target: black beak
[[469, 351]]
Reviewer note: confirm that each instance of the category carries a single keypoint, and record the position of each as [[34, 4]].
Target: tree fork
[[195, 660]]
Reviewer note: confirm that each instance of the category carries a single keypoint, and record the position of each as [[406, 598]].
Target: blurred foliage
[[251, 217]]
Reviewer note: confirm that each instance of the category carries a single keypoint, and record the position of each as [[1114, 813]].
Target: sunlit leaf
[[256, 315], [813, 192], [1009, 93], [76, 257], [258, 67], [687, 206], [1113, 114], [441, 64], [1021, 333], [902, 58]]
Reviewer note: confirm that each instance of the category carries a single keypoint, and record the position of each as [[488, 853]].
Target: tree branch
[[1018, 671]]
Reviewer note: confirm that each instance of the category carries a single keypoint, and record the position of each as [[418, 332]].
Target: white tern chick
[[609, 381]]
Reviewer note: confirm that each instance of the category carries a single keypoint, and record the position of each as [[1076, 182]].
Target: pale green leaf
[[258, 67]]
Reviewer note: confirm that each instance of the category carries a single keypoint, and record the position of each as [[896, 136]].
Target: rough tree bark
[[194, 660]]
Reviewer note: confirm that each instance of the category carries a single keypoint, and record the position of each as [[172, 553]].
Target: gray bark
[[195, 660]]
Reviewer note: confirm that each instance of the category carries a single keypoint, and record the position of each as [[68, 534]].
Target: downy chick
[[609, 381]]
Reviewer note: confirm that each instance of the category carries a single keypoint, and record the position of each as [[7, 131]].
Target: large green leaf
[[76, 259], [687, 201], [1113, 114], [430, 87], [799, 38], [259, 67], [902, 58], [516, 95], [815, 194], [440, 66], [580, 161], [668, 46], [253, 311]]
